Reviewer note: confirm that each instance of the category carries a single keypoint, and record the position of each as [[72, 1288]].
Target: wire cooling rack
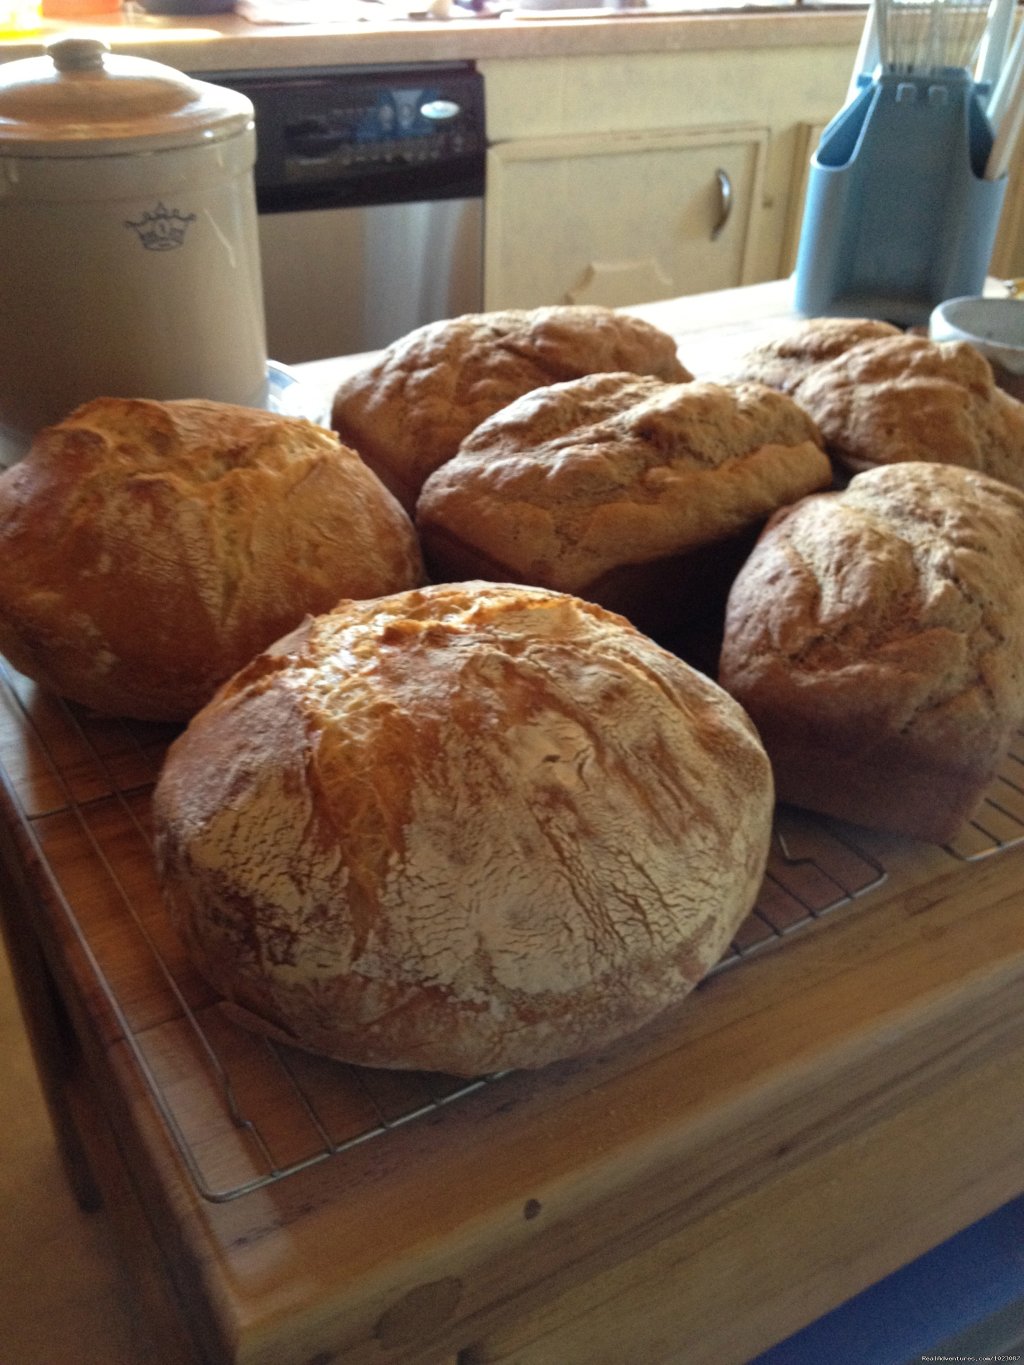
[[245, 1111], [999, 821]]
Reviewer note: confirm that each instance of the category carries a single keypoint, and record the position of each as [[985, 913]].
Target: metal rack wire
[[244, 1111], [998, 823], [814, 869]]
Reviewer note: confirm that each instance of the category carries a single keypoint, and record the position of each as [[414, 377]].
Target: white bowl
[[994, 326]]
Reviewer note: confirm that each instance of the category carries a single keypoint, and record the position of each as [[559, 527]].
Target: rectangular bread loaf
[[876, 638]]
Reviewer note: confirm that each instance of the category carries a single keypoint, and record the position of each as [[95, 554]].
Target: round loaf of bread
[[468, 828], [639, 495], [906, 398], [408, 412], [151, 549], [876, 637]]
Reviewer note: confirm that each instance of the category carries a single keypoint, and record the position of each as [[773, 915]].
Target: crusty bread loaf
[[786, 359], [894, 399], [464, 829], [876, 637], [409, 410], [640, 495], [150, 549]]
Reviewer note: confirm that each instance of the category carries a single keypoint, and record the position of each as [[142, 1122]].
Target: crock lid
[[82, 100]]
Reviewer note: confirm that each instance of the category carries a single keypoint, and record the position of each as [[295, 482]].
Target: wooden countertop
[[226, 42], [710, 330], [840, 1098]]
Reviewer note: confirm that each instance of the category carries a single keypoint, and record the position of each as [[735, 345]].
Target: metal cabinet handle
[[724, 202]]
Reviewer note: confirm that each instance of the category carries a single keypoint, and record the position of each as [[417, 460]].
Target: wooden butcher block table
[[841, 1095]]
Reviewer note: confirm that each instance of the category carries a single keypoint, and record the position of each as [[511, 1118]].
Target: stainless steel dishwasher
[[369, 188]]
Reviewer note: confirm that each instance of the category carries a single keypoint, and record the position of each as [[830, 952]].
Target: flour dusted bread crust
[[462, 829], [876, 638], [640, 495], [784, 361], [408, 412], [150, 549], [894, 399]]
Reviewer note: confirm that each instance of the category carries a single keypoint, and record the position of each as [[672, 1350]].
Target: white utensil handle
[[994, 43], [1008, 127], [997, 101], [867, 53]]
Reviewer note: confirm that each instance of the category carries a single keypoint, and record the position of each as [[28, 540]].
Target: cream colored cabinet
[[808, 135], [621, 217]]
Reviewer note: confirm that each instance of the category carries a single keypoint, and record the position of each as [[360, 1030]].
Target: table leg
[[51, 1039]]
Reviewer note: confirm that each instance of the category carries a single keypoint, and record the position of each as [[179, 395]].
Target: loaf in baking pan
[[876, 638], [409, 410], [151, 549], [638, 494], [466, 828]]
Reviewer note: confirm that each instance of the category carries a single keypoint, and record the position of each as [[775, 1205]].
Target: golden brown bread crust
[[573, 485], [150, 549], [410, 410], [907, 398], [462, 829], [876, 637], [787, 359]]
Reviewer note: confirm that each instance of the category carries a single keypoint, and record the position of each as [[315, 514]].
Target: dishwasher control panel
[[335, 137]]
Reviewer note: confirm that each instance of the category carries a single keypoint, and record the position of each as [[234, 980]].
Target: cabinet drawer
[[617, 219]]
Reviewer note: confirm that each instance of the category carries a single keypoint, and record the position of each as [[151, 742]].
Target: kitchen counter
[[840, 1096], [784, 70], [223, 42]]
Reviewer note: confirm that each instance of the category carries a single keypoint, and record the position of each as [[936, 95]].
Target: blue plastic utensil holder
[[898, 215]]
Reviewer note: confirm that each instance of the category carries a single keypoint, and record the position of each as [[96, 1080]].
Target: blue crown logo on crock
[[162, 229]]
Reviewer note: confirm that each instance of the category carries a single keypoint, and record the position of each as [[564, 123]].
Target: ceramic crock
[[129, 253]]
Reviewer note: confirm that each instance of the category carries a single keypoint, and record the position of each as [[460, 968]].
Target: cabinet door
[[620, 218]]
